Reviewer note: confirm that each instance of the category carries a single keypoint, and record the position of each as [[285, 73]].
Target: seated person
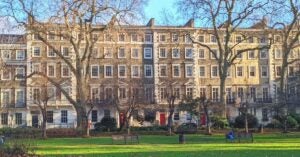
[[230, 135]]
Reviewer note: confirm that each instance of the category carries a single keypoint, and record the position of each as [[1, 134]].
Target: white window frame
[[249, 54], [62, 73], [267, 68], [48, 52], [211, 71], [131, 37], [151, 54], [186, 90], [218, 93], [139, 71], [112, 71], [54, 65], [236, 69], [166, 53], [249, 69], [97, 95], [151, 40], [203, 38], [92, 66], [111, 52], [278, 50], [202, 66], [163, 65], [160, 38], [186, 67], [289, 71], [2, 74], [132, 52], [211, 39], [174, 65], [54, 93], [16, 95], [23, 69], [175, 37], [186, 50], [119, 37], [122, 65], [276, 70], [201, 50], [145, 70], [2, 96], [62, 51], [119, 52], [265, 51], [211, 54], [20, 52], [40, 51]]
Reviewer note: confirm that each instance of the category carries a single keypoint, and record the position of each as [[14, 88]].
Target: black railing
[[263, 100]]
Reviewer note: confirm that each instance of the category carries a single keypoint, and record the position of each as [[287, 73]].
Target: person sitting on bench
[[230, 136]]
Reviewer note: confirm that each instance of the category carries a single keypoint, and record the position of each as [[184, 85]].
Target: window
[[214, 53], [122, 37], [148, 70], [122, 93], [263, 54], [176, 116], [148, 38], [135, 71], [106, 113], [163, 93], [175, 37], [20, 55], [20, 98], [5, 97], [201, 38], [202, 92], [253, 93], [188, 39], [6, 74], [18, 118], [148, 53], [67, 90], [36, 36], [121, 53], [36, 67], [108, 52], [239, 71], [163, 70], [64, 116], [162, 53], [238, 39], [36, 52], [108, 93], [149, 94], [51, 35], [291, 71], [176, 92], [229, 72], [51, 93], [214, 71], [239, 54], [251, 54], [134, 37], [4, 118], [95, 37], [201, 54], [278, 71], [215, 94], [49, 116], [6, 54], [188, 53], [94, 116], [20, 73], [134, 53], [292, 54], [122, 71], [263, 40], [202, 72], [278, 54], [51, 70], [94, 71], [265, 94], [65, 70], [51, 52], [189, 92], [213, 39], [175, 53], [65, 51], [188, 70], [108, 71], [277, 38], [107, 37], [264, 71], [250, 40], [265, 115], [228, 92], [240, 92], [176, 70], [95, 94], [162, 38], [36, 94], [252, 71]]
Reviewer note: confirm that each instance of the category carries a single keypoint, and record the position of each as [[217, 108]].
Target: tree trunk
[[222, 96], [208, 128], [170, 122], [128, 126], [246, 122], [44, 125], [82, 121]]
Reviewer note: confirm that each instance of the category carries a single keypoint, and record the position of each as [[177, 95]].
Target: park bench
[[126, 139], [240, 137]]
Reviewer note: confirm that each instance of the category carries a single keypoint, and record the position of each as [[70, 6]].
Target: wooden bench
[[125, 138], [240, 137]]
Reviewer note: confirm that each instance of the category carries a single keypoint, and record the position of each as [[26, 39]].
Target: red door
[[203, 119], [121, 118], [162, 119]]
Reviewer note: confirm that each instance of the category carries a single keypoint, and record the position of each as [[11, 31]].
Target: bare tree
[[226, 19], [74, 21]]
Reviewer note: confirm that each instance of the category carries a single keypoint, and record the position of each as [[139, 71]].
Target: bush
[[219, 122], [291, 122], [274, 124], [240, 121], [17, 147], [106, 124], [150, 128], [63, 132], [27, 132], [150, 117], [296, 117]]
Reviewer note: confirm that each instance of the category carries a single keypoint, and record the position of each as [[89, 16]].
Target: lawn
[[272, 145]]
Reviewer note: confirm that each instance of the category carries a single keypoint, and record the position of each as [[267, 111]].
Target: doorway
[[35, 121], [162, 119]]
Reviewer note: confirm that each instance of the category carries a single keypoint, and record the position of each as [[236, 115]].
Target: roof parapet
[[190, 23], [151, 22]]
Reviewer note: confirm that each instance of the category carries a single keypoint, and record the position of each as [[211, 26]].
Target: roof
[[12, 39]]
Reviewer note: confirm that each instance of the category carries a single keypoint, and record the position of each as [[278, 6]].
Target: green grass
[[273, 145]]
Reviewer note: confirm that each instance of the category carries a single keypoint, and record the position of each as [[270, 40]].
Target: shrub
[[106, 124], [150, 117], [274, 124], [296, 117], [150, 128], [240, 121], [63, 132], [27, 132], [219, 122], [291, 122], [17, 147]]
